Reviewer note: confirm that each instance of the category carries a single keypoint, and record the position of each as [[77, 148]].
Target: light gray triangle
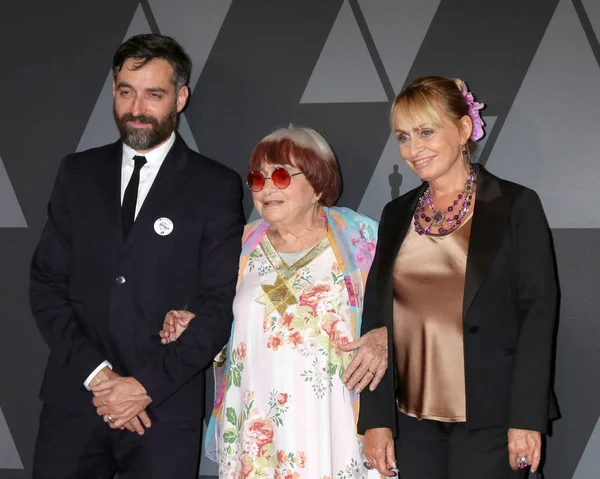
[[588, 464], [9, 456], [195, 24], [11, 215], [398, 29], [592, 8], [489, 121], [550, 139], [207, 467], [344, 72], [186, 132], [100, 128]]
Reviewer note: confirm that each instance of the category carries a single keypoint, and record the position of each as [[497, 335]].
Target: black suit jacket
[[87, 315], [509, 308]]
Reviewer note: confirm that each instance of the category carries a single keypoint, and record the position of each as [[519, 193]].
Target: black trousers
[[438, 450], [69, 446]]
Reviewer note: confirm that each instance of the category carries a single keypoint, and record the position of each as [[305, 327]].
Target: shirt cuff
[[87, 382]]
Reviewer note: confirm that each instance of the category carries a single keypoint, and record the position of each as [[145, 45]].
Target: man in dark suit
[[134, 229]]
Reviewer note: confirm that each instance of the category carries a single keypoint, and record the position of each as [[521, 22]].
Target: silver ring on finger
[[110, 418], [522, 462]]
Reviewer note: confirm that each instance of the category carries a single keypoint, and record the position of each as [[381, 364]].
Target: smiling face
[[146, 103], [432, 149], [293, 205]]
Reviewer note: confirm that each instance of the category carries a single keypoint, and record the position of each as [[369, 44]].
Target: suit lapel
[[163, 186], [490, 220], [110, 186], [398, 218]]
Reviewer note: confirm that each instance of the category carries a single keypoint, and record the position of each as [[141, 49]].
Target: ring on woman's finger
[[368, 465], [110, 418], [522, 462]]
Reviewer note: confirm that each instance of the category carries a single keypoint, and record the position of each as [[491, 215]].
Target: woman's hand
[[378, 449], [175, 323], [524, 443], [369, 363]]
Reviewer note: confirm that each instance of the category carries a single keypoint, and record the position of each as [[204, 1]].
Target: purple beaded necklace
[[439, 216]]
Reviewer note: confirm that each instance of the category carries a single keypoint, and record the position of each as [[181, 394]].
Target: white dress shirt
[[148, 174]]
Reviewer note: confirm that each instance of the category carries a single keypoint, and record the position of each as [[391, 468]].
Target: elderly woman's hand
[[175, 323], [378, 449], [524, 443], [369, 363]]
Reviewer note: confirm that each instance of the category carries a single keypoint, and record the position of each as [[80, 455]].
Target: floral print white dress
[[286, 413]]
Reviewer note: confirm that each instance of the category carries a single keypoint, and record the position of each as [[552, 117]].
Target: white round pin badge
[[163, 226]]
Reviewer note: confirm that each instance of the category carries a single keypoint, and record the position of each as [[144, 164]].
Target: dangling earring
[[465, 153]]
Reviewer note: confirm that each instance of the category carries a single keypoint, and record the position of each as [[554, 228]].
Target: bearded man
[[135, 229]]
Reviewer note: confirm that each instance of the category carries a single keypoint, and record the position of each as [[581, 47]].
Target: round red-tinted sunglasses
[[280, 176]]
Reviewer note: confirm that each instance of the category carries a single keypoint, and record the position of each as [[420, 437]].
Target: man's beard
[[141, 139]]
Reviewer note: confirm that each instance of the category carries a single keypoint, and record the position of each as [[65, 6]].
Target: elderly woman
[[464, 280], [282, 410]]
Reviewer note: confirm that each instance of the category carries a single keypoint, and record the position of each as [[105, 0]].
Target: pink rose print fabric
[[285, 413]]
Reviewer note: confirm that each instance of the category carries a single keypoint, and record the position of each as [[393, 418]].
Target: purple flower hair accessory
[[474, 108]]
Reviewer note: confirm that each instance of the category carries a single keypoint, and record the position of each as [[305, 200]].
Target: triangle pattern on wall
[[592, 9], [588, 464], [195, 24], [398, 30], [556, 108], [344, 72], [11, 215], [9, 456]]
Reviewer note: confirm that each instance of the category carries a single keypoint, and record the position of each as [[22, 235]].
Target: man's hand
[[135, 425], [103, 375], [175, 323], [369, 363], [120, 400]]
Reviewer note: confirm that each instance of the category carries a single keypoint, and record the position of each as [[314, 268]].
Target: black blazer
[[96, 297], [509, 308]]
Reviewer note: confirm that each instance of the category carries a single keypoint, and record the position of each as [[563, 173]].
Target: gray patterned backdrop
[[334, 65]]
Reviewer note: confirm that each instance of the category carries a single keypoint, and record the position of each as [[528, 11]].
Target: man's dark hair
[[149, 46]]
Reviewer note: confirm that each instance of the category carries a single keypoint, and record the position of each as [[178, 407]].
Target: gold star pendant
[[277, 296]]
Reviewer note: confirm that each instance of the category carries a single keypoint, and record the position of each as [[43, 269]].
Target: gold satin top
[[429, 282]]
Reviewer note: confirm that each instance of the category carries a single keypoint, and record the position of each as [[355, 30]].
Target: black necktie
[[130, 196]]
